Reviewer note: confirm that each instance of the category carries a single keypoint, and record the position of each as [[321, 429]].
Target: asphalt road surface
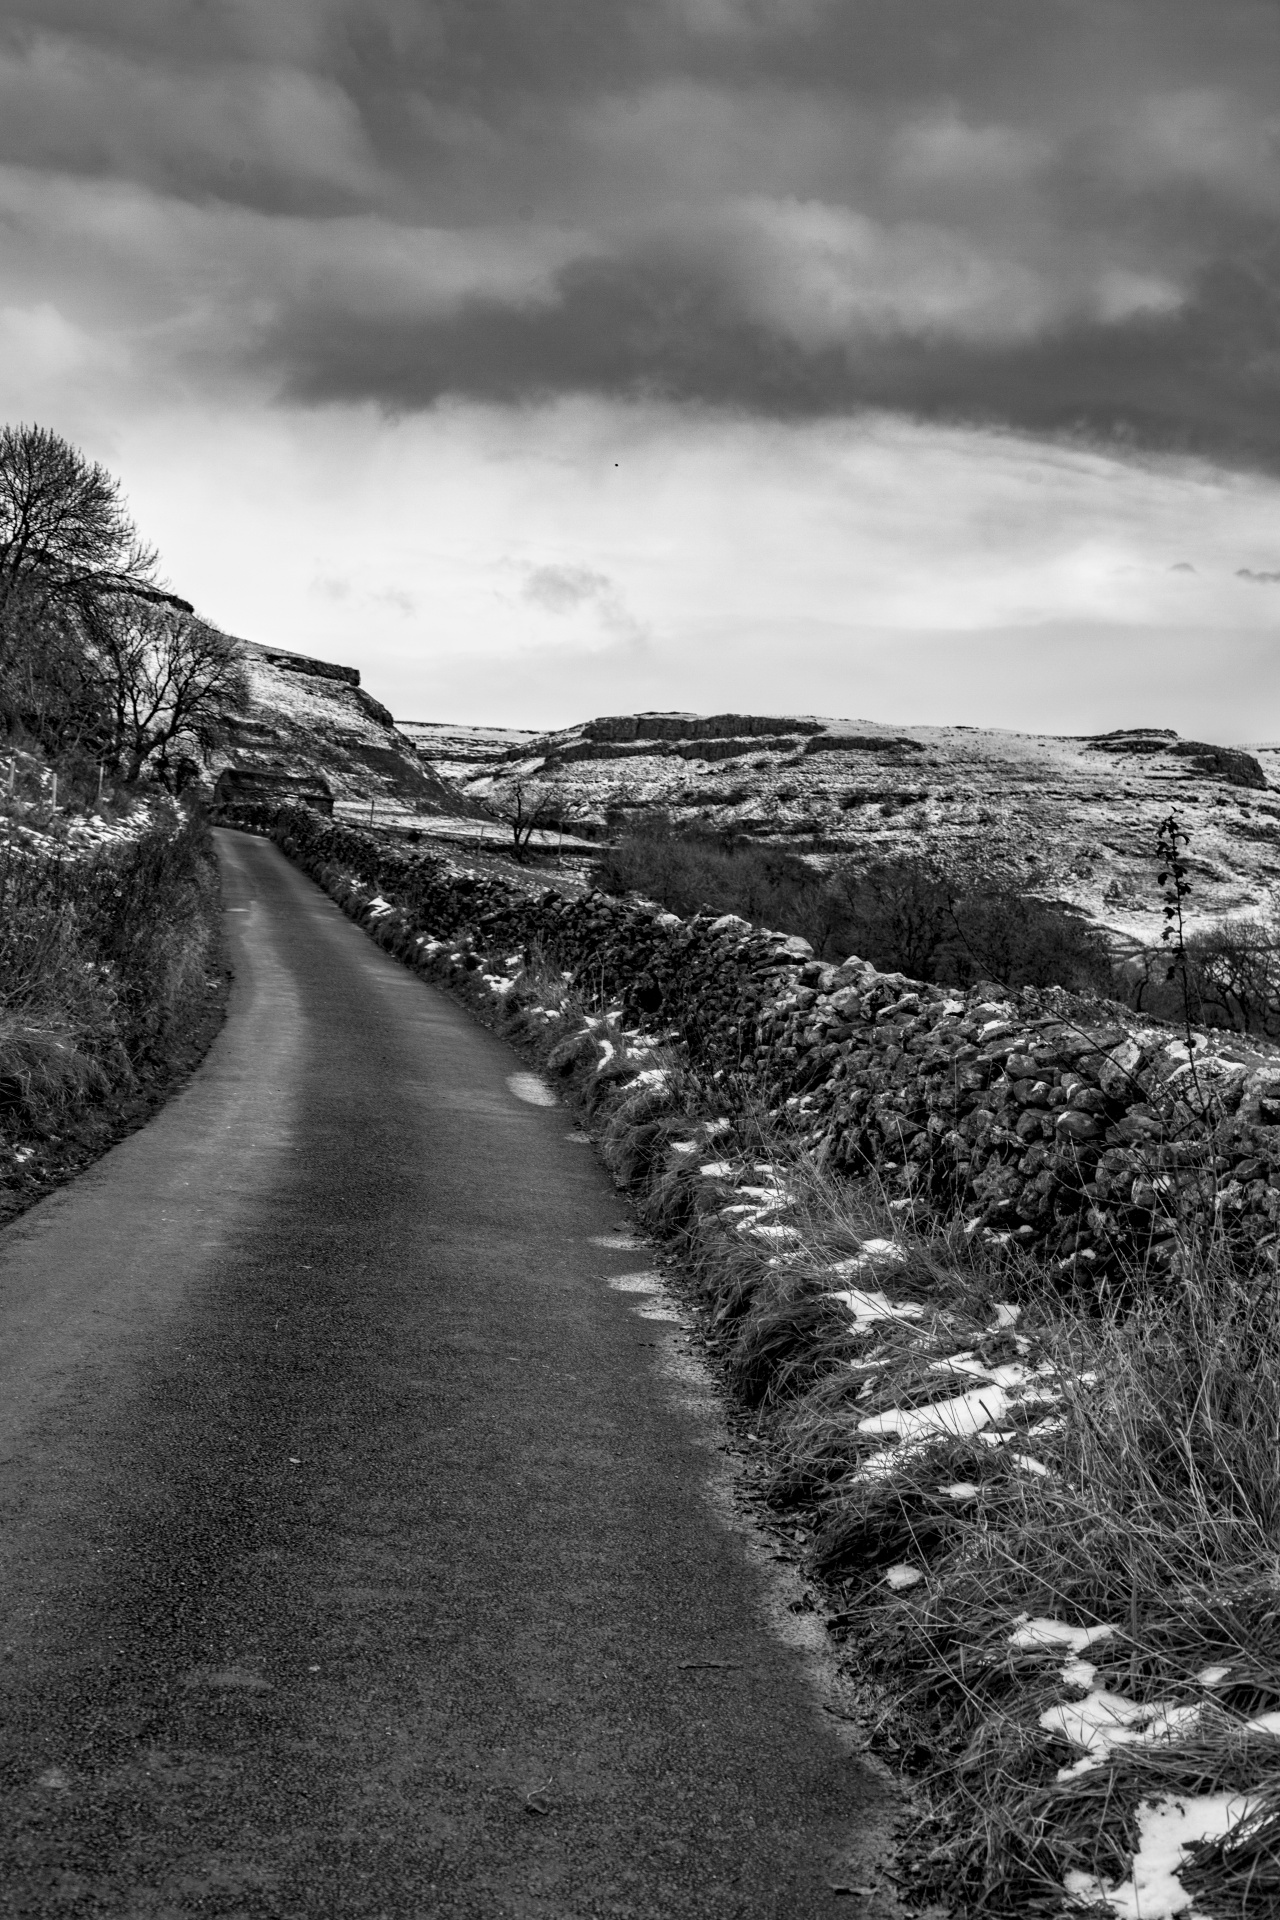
[[360, 1549]]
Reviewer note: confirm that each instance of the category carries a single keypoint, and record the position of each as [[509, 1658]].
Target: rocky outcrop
[[694, 726], [1232, 764], [314, 669], [311, 720], [1069, 1126], [895, 745], [728, 747]]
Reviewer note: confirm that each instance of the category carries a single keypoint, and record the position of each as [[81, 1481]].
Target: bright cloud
[[586, 556]]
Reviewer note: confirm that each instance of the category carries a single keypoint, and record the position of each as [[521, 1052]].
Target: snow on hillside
[[462, 753], [1073, 818], [1076, 817], [309, 716]]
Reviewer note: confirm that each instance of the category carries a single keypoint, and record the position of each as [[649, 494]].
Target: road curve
[[357, 1556]]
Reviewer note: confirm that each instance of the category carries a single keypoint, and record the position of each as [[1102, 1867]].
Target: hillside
[[1074, 817], [309, 717], [464, 753]]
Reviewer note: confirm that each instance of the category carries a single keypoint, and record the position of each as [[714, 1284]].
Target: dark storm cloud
[[1203, 381], [1060, 217]]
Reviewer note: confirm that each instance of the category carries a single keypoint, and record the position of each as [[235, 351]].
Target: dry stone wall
[[1068, 1125]]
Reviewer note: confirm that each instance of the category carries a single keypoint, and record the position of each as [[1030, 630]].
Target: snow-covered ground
[[1075, 817]]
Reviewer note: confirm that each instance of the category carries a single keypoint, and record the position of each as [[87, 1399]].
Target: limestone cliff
[[313, 717]]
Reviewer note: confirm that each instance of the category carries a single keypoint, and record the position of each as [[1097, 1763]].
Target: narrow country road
[[359, 1556]]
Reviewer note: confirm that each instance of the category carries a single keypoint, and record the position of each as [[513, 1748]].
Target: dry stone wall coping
[[1068, 1125]]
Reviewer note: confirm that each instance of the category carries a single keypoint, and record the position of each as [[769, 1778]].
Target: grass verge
[[112, 986]]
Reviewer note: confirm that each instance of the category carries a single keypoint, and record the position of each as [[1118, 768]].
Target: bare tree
[[529, 810], [1235, 971], [170, 682], [898, 912], [64, 530]]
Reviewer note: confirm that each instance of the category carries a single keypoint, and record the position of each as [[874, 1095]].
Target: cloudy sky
[[906, 359]]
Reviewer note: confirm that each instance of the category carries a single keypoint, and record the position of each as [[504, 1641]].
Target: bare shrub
[[168, 683], [913, 914]]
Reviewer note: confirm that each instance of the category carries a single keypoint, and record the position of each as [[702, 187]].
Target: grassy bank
[[111, 985], [993, 1480], [1042, 1523]]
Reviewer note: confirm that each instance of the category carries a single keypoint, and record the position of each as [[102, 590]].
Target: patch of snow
[[532, 1090], [1007, 1315], [684, 1146], [964, 1414], [646, 1282], [884, 1250], [868, 1307], [606, 1054], [873, 1254], [1103, 1721], [1046, 1636], [1168, 1829], [1212, 1676], [772, 1233], [1079, 1673], [960, 1490], [883, 1465], [1029, 1464], [903, 1576], [1264, 1723], [716, 1170], [1011, 1374]]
